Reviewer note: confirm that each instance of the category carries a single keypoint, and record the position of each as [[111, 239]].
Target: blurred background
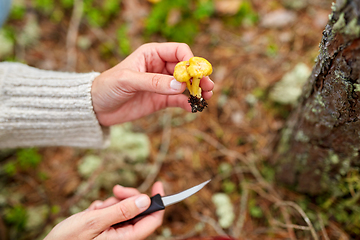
[[262, 52]]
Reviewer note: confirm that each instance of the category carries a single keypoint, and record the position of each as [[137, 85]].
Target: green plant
[[55, 209], [272, 50], [10, 168], [17, 12], [7, 39], [254, 210], [67, 3], [268, 172], [28, 157], [246, 15], [46, 6], [98, 13], [204, 9], [178, 20], [343, 206], [16, 216], [228, 186], [123, 40]]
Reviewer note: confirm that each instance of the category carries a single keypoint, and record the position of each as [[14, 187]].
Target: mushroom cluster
[[192, 72]]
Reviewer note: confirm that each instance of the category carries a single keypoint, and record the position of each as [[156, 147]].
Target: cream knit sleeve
[[47, 108]]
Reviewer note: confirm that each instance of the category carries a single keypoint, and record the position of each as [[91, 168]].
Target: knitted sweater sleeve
[[47, 108]]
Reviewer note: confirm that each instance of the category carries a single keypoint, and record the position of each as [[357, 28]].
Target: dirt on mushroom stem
[[197, 104]]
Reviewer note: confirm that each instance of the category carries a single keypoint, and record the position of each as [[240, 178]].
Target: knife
[[159, 202]]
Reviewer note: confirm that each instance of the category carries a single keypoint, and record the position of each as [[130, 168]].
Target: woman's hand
[[96, 222], [142, 84]]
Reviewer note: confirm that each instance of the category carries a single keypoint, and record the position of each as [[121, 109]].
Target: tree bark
[[320, 143]]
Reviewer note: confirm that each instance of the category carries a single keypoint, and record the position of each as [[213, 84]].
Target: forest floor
[[230, 142]]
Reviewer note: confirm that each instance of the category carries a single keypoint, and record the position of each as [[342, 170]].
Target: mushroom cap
[[199, 67], [180, 72]]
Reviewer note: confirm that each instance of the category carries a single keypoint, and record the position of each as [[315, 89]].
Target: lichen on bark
[[318, 146]]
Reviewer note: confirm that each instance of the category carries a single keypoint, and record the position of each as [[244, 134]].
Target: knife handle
[[155, 205]]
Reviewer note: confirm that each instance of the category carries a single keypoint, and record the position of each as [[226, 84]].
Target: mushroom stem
[[196, 90], [188, 84]]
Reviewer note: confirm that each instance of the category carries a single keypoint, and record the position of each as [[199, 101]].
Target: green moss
[[301, 137], [352, 28], [345, 166], [333, 7], [340, 23], [357, 87], [341, 203], [319, 100], [333, 157]]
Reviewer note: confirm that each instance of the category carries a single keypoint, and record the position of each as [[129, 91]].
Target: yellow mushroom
[[197, 69], [192, 72], [181, 74]]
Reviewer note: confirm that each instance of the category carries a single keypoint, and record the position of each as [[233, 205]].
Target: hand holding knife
[[160, 202]]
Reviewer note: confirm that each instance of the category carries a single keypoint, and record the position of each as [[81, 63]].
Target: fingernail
[[98, 204], [175, 85], [142, 202]]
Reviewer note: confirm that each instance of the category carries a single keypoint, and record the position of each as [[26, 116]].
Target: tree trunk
[[320, 143]]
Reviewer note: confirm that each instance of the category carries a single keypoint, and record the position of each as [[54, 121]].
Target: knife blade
[[159, 202]]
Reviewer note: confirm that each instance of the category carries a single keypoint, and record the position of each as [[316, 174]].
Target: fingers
[[168, 52], [157, 189], [98, 222], [104, 204], [102, 219], [121, 192], [95, 205], [150, 82], [207, 95], [180, 101], [156, 83], [150, 223], [207, 84]]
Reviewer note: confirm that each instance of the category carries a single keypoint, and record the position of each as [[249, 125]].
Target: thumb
[[120, 212], [155, 82]]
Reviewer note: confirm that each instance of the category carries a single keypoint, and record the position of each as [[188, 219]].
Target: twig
[[211, 222], [166, 137], [187, 235], [251, 164], [326, 237], [212, 141], [3, 230], [303, 214], [294, 226], [260, 190], [288, 223], [255, 172], [341, 234], [242, 215], [73, 33]]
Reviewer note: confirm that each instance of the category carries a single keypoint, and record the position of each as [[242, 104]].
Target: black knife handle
[[155, 205]]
